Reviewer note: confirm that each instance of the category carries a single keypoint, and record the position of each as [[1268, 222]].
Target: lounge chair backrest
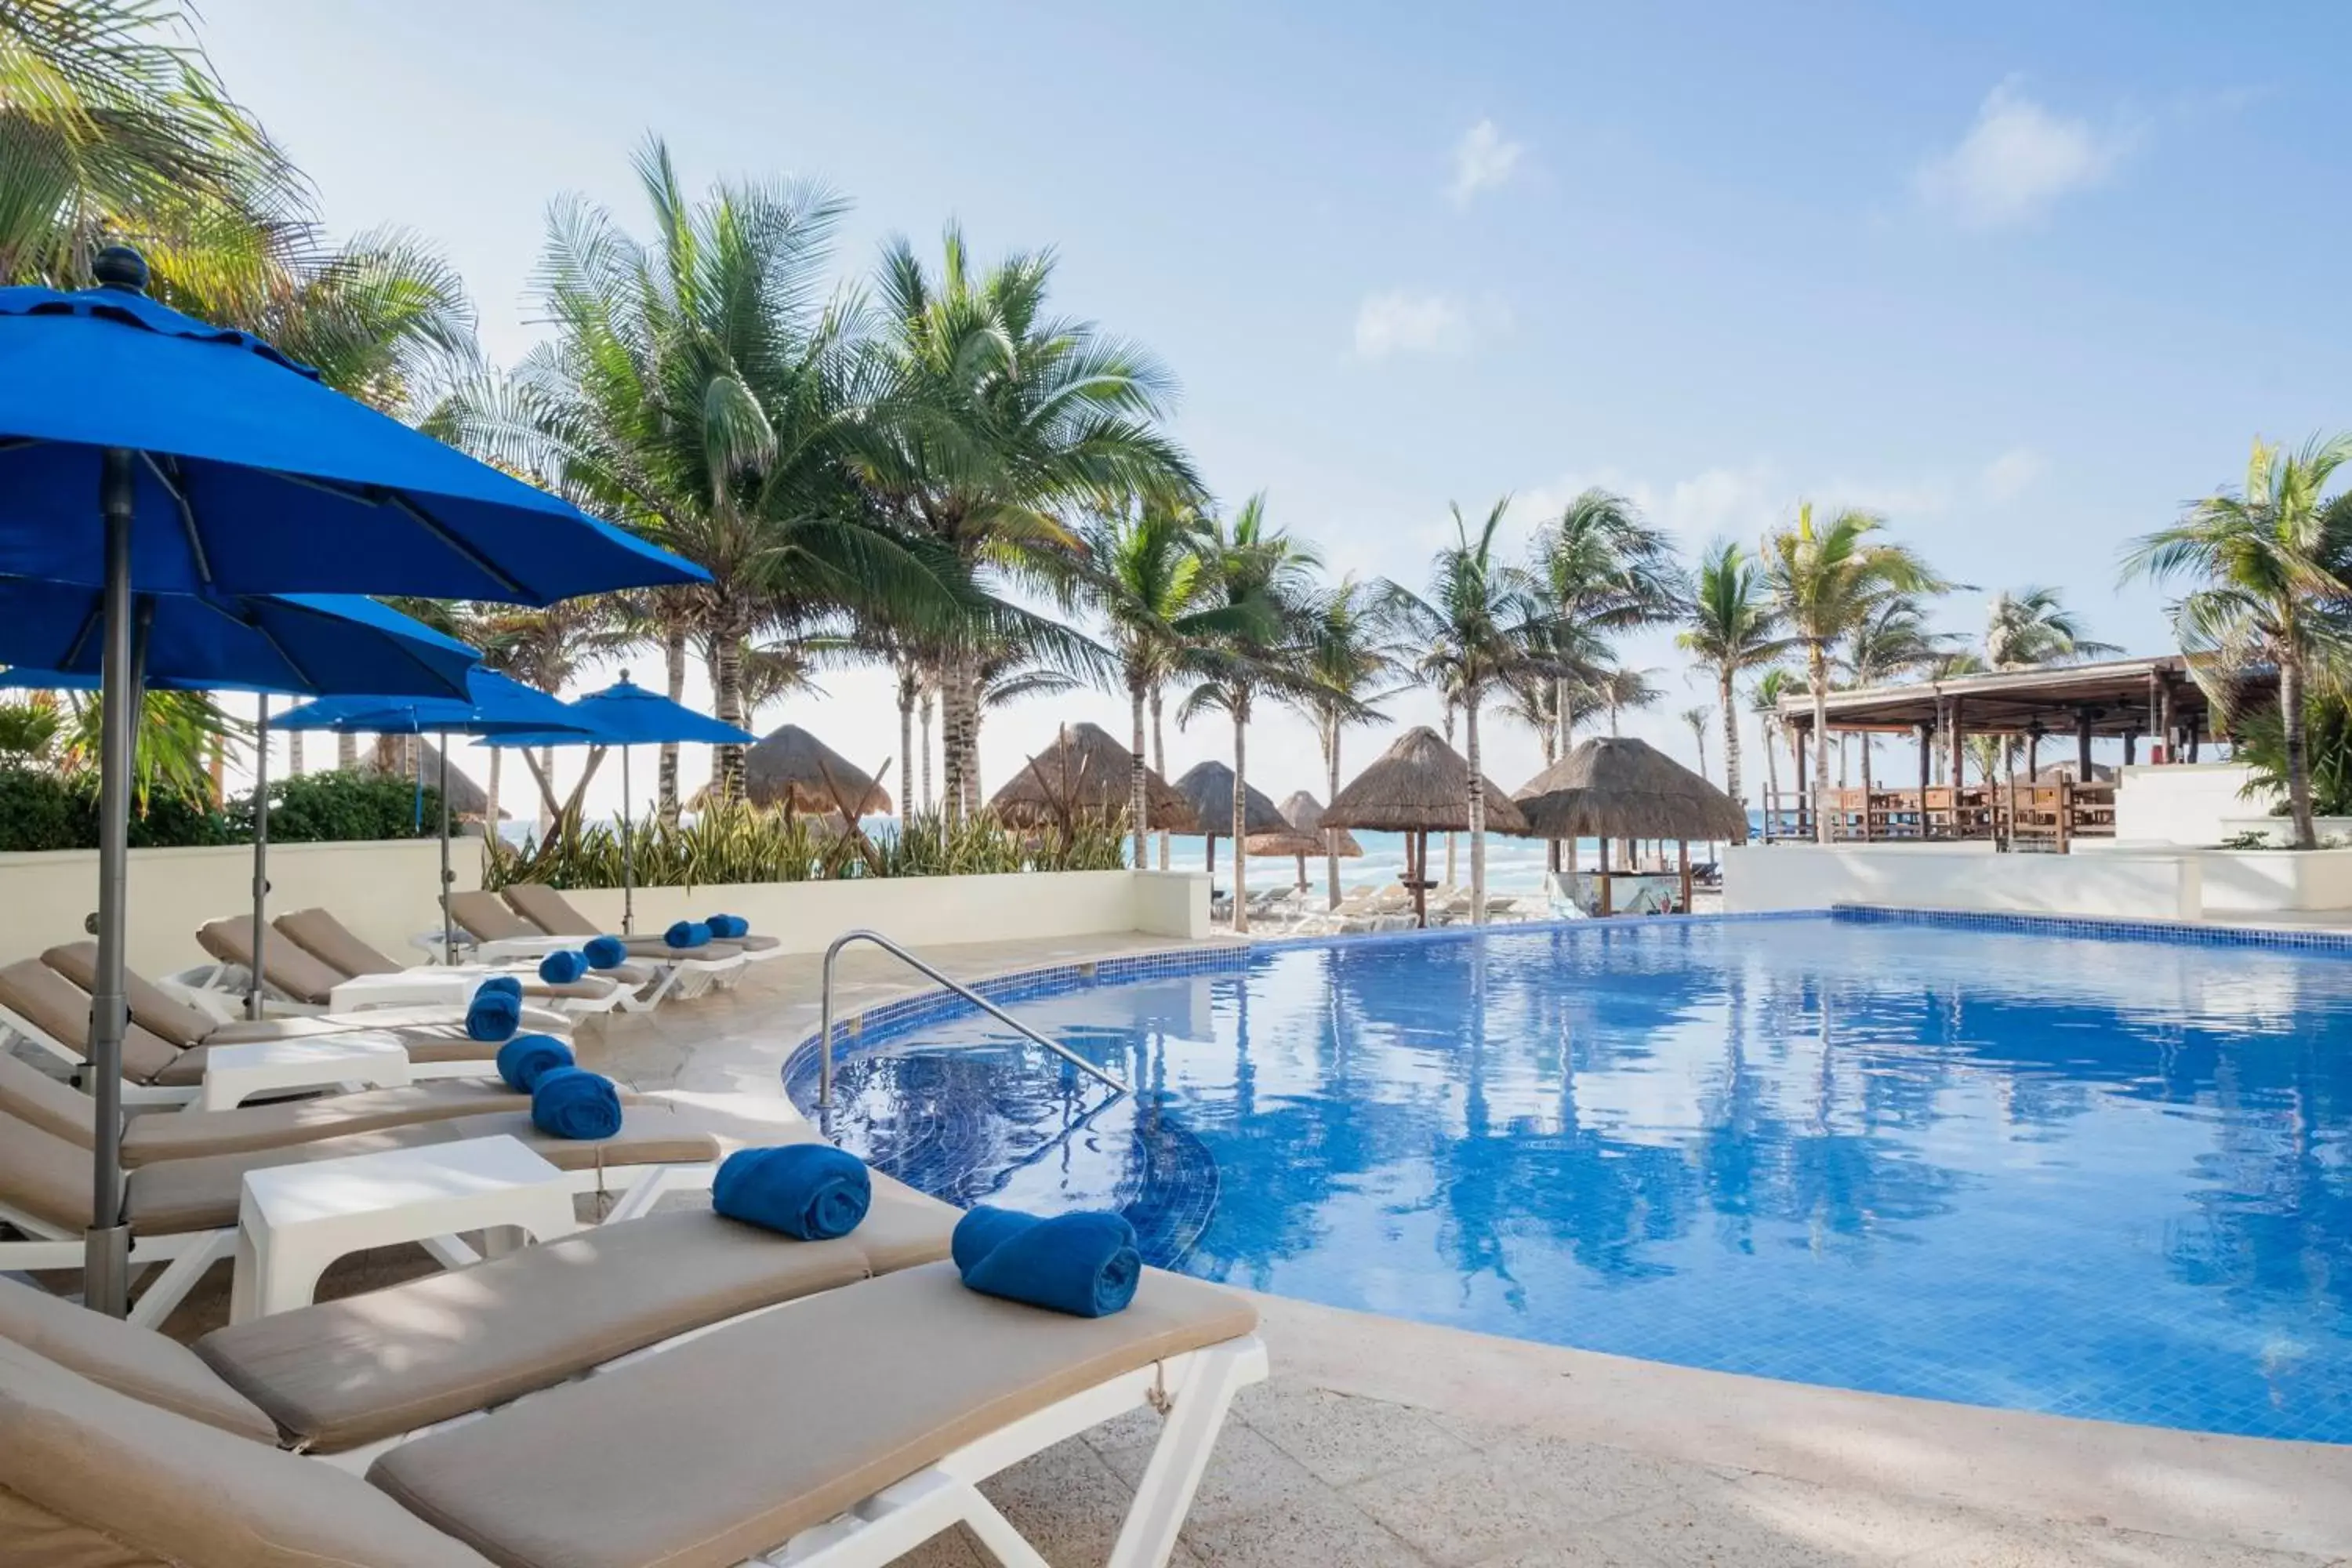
[[55, 1107], [284, 965], [92, 1476], [484, 917], [329, 941], [151, 1367], [59, 1008], [152, 1008], [550, 911], [44, 1176]]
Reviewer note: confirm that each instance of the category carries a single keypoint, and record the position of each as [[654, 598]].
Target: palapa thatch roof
[[1618, 788], [1421, 783], [1285, 842], [1305, 815], [467, 800], [793, 769], [1208, 789], [1085, 772]]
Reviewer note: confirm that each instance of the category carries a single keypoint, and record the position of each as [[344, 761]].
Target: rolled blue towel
[[688, 933], [527, 1059], [506, 985], [1085, 1263], [727, 927], [568, 1103], [562, 967], [813, 1191], [605, 953], [492, 1015]]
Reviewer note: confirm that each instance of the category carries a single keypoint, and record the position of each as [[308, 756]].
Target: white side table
[[234, 1074], [294, 1220], [426, 984]]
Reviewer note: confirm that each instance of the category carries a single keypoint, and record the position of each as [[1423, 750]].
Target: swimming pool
[[2093, 1177]]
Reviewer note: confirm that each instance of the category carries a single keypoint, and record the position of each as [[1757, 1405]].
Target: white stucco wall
[[2185, 803], [384, 891], [2158, 885]]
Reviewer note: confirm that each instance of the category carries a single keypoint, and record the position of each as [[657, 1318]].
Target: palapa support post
[[1683, 846], [1607, 904]]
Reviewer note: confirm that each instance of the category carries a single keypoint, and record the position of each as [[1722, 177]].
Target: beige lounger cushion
[[423, 1027], [331, 942], [150, 1367], [587, 988], [249, 1128], [90, 1478], [44, 1175], [548, 910], [202, 1193], [152, 1007], [350, 1372], [655, 947], [283, 964], [731, 1444], [61, 1009], [51, 1104], [484, 917]]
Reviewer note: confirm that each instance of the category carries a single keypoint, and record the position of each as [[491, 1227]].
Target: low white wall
[[806, 916], [386, 891], [2251, 881], [1810, 877], [2183, 802]]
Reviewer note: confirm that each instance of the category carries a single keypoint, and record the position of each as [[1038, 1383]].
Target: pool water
[[2092, 1177]]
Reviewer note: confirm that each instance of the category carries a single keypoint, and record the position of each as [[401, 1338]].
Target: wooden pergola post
[[1958, 740], [1927, 747], [2156, 704], [2168, 724], [2081, 745]]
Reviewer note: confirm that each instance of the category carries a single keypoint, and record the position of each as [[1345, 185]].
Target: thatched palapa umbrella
[[1208, 789], [1087, 772], [794, 770], [1306, 813], [1618, 788], [1420, 785]]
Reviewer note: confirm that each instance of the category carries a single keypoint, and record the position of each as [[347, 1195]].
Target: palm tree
[[1351, 652], [994, 422], [2032, 626], [1263, 582], [1604, 571], [1733, 628], [1151, 583], [2269, 563], [1825, 582], [1892, 643], [1619, 688], [1764, 701], [544, 648], [1696, 718], [1483, 619]]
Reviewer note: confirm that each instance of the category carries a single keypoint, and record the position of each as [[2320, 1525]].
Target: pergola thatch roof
[[793, 769], [1419, 785], [1208, 789], [1305, 815], [1085, 772], [1618, 788]]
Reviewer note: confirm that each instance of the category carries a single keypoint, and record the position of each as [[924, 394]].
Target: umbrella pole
[[448, 926], [106, 1246], [628, 866], [261, 856]]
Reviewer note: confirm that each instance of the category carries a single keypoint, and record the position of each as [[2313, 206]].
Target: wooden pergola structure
[[2158, 698]]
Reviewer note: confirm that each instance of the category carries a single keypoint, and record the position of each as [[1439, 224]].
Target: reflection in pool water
[[2097, 1178]]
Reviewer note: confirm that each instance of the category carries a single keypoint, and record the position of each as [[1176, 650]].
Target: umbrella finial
[[120, 267]]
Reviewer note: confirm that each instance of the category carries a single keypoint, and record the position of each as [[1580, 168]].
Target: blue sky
[[2021, 276]]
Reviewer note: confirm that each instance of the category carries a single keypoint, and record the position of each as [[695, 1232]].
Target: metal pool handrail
[[825, 1039]]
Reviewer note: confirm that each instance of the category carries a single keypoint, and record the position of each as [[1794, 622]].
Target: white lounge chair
[[657, 971], [318, 933]]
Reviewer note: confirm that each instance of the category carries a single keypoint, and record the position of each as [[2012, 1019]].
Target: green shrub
[[340, 807], [44, 810]]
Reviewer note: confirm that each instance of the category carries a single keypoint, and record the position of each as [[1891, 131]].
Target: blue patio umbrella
[[625, 714], [494, 704], [141, 447]]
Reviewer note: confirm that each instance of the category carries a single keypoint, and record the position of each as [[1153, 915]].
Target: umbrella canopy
[[252, 477], [261, 642], [1087, 772], [626, 714], [1208, 789], [1306, 813], [793, 769], [1419, 785], [492, 704], [1618, 788]]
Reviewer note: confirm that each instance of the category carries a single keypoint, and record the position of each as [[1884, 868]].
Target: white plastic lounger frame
[[184, 1257]]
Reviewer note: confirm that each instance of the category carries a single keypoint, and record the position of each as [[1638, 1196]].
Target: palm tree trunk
[[1241, 816], [926, 716], [1138, 806], [2298, 758], [1159, 764], [1449, 838], [490, 793], [293, 754], [1771, 780], [1816, 675], [347, 752], [1478, 813], [674, 672], [905, 744], [727, 698], [1331, 840], [1562, 724], [1730, 741]]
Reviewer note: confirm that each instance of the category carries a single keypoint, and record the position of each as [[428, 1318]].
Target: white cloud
[[1401, 321], [1483, 159], [2017, 159], [1737, 503], [2011, 474]]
